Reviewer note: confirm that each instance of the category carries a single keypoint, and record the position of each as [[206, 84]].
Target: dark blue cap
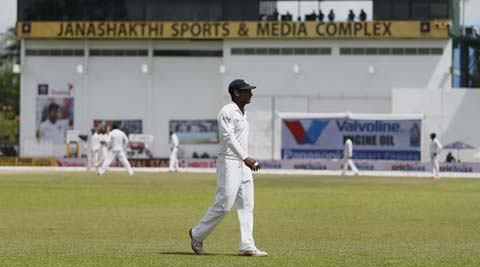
[[240, 84]]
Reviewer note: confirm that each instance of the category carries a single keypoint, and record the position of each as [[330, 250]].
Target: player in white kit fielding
[[118, 143], [234, 174]]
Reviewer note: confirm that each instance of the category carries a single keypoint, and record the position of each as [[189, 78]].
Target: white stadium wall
[[451, 113], [177, 88]]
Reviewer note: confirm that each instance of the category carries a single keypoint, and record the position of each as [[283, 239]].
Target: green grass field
[[80, 219]]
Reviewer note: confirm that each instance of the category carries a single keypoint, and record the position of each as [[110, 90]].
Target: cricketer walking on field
[[348, 157], [234, 174]]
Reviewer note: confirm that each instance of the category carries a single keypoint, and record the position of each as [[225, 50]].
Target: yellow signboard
[[15, 161], [232, 30]]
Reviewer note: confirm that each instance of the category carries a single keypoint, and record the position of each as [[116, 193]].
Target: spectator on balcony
[[331, 15], [363, 15], [351, 15]]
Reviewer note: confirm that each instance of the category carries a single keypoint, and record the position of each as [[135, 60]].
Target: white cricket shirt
[[435, 147], [118, 140], [233, 130], [95, 141], [348, 149], [55, 132], [174, 139]]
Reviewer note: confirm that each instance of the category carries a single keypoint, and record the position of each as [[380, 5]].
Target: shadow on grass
[[183, 253]]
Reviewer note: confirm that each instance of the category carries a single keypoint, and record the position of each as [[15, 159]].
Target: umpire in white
[[234, 174]]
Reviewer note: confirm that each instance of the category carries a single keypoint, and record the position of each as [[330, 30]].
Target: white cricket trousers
[[102, 155], [173, 163], [349, 162], [90, 159], [234, 184], [120, 155], [96, 157], [435, 166]]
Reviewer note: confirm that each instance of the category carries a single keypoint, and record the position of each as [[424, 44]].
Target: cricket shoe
[[252, 253], [197, 246]]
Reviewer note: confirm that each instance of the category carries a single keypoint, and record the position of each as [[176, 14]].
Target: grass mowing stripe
[[80, 219]]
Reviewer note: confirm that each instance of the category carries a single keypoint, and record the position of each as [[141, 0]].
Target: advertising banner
[[195, 131], [55, 89], [232, 29], [127, 126], [372, 139], [54, 118], [38, 162]]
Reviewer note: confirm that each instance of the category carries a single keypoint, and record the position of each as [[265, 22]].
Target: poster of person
[[195, 131], [127, 126], [54, 118]]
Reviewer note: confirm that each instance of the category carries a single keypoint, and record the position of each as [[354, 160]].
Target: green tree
[[9, 89]]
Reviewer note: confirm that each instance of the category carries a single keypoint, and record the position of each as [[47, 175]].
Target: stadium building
[[162, 65]]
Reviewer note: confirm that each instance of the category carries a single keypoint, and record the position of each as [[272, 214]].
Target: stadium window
[[424, 51], [345, 51], [30, 52], [282, 51], [142, 52], [118, 53], [384, 51], [131, 53], [67, 52], [261, 51], [236, 51], [286, 51], [106, 52], [325, 51], [436, 51], [94, 52], [188, 53], [358, 51], [371, 51], [54, 52], [299, 51], [249, 51], [274, 51], [397, 51], [43, 52], [313, 51], [410, 51]]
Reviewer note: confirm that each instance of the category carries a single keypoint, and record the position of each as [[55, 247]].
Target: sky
[[8, 10], [8, 14]]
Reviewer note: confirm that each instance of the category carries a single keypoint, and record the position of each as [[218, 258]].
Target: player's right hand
[[252, 164]]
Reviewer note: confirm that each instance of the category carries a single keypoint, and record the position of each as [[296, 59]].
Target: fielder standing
[[173, 164], [118, 144], [103, 151], [347, 157], [95, 148], [435, 148], [234, 174]]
